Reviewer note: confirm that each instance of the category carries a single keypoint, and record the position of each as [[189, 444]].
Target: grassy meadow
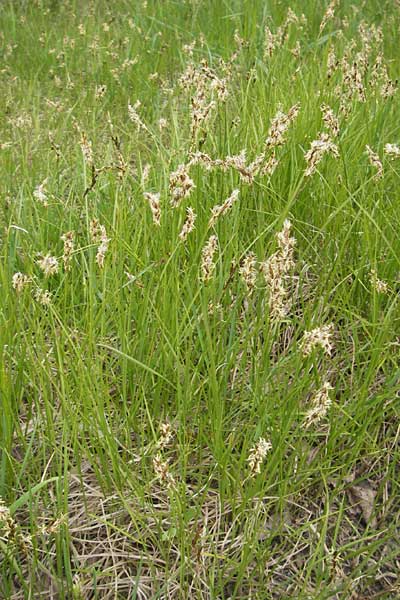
[[199, 308]]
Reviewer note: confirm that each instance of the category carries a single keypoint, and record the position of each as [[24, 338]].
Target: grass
[[132, 401]]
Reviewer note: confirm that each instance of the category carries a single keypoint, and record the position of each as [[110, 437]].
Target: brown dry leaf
[[362, 496]]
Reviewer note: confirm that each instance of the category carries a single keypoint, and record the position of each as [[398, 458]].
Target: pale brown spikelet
[[219, 85], [133, 279], [239, 41], [54, 526], [207, 258], [375, 161], [296, 50], [274, 41], [248, 271], [279, 126], [201, 110], [380, 286], [102, 249], [43, 297], [134, 115], [319, 147], [269, 166], [332, 63], [257, 455], [180, 185], [20, 281], [54, 146], [356, 74], [330, 120], [86, 147], [269, 43], [361, 60], [319, 336], [48, 264], [370, 34], [215, 308], [188, 48], [95, 230], [161, 469], [5, 513], [10, 531], [207, 91], [247, 171], [277, 293], [291, 17], [189, 224], [286, 245], [255, 167], [388, 89], [221, 209], [345, 107], [377, 70], [201, 158], [353, 74], [40, 193], [388, 86], [237, 162], [100, 91], [166, 434], [56, 105], [68, 239], [319, 406], [392, 150], [8, 526], [276, 270], [191, 76], [145, 174], [21, 121], [328, 16], [155, 206]]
